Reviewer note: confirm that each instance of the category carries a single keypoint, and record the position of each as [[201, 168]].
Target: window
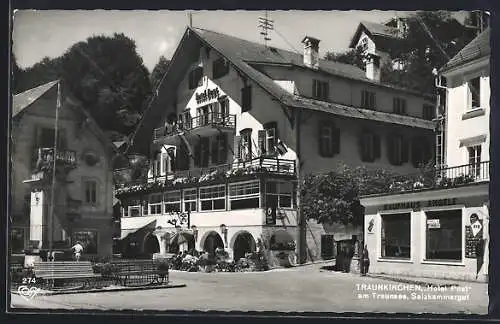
[[397, 150], [190, 198], [155, 204], [244, 195], [267, 139], [428, 112], [187, 120], [220, 68], [164, 161], [444, 235], [320, 89], [219, 149], [395, 233], [328, 139], [156, 167], [90, 187], [213, 198], [473, 92], [279, 194], [195, 76], [421, 151], [246, 98], [475, 160], [246, 144], [370, 146], [368, 99], [135, 211], [399, 106], [202, 152], [17, 240], [172, 201], [125, 211]]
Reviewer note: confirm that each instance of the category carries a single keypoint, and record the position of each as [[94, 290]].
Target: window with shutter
[[205, 151], [261, 137], [215, 151], [396, 149], [428, 112], [195, 76], [399, 106], [325, 139], [336, 140], [237, 147], [367, 147], [197, 154], [320, 89], [271, 137], [376, 146], [220, 68], [368, 99], [246, 98], [246, 144]]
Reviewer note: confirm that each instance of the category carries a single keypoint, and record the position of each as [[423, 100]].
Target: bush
[[107, 270]]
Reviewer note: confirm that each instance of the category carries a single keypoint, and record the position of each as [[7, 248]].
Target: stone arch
[[242, 242], [151, 244], [210, 241]]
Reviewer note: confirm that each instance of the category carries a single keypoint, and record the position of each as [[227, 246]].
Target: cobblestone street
[[302, 289]]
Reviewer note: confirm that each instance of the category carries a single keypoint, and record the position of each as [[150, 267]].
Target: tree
[[354, 56], [104, 73], [159, 71]]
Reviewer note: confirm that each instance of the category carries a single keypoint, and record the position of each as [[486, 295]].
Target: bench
[[149, 268], [50, 271]]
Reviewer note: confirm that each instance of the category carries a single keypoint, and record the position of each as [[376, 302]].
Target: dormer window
[[195, 77], [220, 68], [320, 89]]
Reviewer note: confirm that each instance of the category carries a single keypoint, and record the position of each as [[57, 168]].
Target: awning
[[181, 237], [472, 141], [129, 232]]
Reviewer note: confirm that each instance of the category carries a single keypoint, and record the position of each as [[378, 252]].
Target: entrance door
[[327, 244]]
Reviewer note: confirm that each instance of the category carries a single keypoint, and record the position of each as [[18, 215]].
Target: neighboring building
[[84, 180], [234, 125], [444, 232]]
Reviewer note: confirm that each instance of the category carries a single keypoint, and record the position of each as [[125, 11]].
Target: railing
[[256, 165], [468, 172], [210, 119], [45, 158]]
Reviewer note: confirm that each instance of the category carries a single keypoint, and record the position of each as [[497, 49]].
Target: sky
[[40, 33]]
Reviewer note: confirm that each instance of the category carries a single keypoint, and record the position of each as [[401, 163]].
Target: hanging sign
[[476, 228], [208, 94], [433, 223], [271, 216]]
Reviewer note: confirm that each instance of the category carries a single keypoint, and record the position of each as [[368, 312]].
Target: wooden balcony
[[202, 125], [44, 159]]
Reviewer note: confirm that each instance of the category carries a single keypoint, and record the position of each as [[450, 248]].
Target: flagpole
[[54, 154]]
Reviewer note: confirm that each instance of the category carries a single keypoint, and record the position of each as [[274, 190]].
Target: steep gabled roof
[[24, 99], [478, 48], [373, 30]]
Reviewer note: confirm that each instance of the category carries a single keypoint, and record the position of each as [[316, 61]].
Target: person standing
[[365, 261], [77, 250]]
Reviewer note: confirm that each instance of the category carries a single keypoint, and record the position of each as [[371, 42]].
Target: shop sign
[[415, 205], [371, 226], [271, 216], [433, 223], [476, 228], [206, 95]]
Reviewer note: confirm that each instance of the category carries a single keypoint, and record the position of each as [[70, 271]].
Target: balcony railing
[[199, 175], [210, 119], [468, 172], [45, 158]]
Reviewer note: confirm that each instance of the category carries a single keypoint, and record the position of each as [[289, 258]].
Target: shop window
[[220, 68], [88, 240], [190, 199], [195, 76], [368, 99], [399, 106], [473, 92], [244, 195], [172, 201], [320, 89], [474, 160], [155, 204], [395, 235], [444, 235], [213, 198], [428, 112], [90, 191], [246, 98], [17, 240], [279, 194]]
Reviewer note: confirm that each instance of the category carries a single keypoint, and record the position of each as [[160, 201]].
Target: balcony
[[202, 125], [193, 177], [45, 158]]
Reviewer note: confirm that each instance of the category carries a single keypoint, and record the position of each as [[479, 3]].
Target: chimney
[[311, 52], [373, 67]]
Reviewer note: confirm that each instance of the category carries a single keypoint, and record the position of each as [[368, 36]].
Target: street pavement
[[301, 289]]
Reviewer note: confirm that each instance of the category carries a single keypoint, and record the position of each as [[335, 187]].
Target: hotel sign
[[415, 205], [207, 95]]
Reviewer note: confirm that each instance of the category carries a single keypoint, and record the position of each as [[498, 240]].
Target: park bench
[[65, 270], [127, 270]]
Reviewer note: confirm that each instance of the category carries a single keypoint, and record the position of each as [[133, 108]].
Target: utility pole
[[266, 25]]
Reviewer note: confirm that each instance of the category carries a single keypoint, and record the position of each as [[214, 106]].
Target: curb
[[72, 292]]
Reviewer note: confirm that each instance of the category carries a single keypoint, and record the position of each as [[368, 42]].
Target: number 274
[[29, 280]]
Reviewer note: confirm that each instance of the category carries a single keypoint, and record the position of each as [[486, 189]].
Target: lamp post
[[223, 230]]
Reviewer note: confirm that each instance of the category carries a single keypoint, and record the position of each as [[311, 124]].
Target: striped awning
[[146, 226]]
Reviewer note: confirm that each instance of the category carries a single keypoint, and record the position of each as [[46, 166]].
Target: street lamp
[[223, 230]]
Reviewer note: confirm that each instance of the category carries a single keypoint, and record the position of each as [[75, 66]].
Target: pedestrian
[[77, 250], [349, 255], [365, 261]]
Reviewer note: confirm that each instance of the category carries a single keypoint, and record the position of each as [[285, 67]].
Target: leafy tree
[[159, 71], [353, 56]]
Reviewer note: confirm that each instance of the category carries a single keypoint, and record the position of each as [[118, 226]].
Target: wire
[[286, 41]]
